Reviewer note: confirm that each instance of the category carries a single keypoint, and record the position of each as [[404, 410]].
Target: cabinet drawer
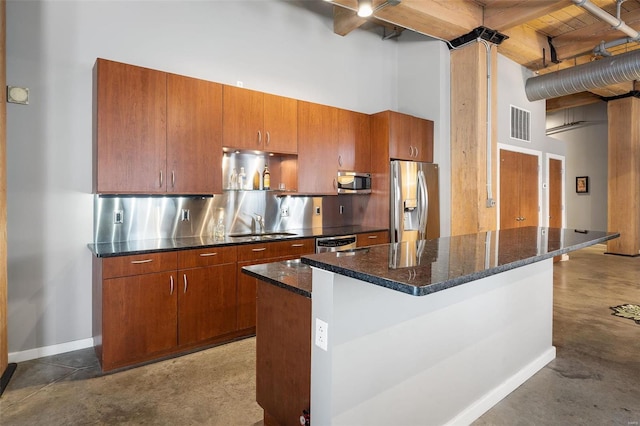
[[206, 257], [373, 238], [276, 249], [124, 266]]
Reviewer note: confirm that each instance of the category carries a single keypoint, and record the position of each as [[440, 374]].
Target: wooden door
[[130, 118], [280, 124], [194, 136], [529, 203], [518, 189], [509, 189], [354, 141], [242, 119], [317, 148], [140, 314], [206, 303], [555, 193]]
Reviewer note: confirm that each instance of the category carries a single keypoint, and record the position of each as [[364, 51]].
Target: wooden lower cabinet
[[139, 318], [283, 354], [262, 253], [373, 238], [206, 303]]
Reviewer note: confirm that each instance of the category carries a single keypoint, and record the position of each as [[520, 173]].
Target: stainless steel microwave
[[354, 183]]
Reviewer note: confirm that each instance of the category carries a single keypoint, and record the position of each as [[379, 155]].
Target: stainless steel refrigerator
[[415, 204]]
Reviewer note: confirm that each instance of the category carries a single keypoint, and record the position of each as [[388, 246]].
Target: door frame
[[505, 147], [562, 159]]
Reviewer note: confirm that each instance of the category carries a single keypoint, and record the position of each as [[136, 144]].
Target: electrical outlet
[[322, 334], [284, 211], [118, 216], [317, 211], [341, 209], [185, 216]]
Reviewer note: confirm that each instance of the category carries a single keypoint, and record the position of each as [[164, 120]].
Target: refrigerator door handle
[[397, 201], [424, 203]]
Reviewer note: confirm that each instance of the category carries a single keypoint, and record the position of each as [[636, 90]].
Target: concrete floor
[[594, 380]]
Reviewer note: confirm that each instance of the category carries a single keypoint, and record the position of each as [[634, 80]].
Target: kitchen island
[[480, 326]]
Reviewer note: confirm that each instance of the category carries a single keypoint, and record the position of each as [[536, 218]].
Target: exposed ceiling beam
[[504, 14], [346, 20], [571, 101], [524, 46]]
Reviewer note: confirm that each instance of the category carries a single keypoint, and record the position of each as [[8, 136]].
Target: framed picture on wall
[[582, 184]]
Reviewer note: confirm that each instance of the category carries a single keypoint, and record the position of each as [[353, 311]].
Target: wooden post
[[469, 211], [623, 211]]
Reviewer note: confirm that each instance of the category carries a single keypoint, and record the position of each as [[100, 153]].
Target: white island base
[[443, 358]]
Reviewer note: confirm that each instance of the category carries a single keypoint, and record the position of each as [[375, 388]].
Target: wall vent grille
[[520, 124]]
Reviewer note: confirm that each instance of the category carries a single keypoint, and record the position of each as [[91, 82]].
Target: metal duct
[[581, 78]]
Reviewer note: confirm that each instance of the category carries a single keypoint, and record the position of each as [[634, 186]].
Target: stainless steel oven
[[339, 243]]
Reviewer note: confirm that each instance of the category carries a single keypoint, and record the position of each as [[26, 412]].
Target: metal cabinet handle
[[335, 184], [340, 160], [372, 237], [259, 137], [137, 262], [297, 245], [417, 151], [268, 138], [259, 249], [207, 254], [171, 285], [161, 179], [173, 178], [410, 151], [184, 276]]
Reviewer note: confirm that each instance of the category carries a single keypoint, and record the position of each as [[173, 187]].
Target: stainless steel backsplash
[[154, 217]]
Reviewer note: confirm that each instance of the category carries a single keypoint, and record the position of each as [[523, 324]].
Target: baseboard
[[61, 348], [484, 404]]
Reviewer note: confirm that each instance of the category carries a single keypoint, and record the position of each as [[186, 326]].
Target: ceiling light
[[365, 8]]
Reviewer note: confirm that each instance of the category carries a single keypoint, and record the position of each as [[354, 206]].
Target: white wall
[[587, 155], [273, 46], [511, 82]]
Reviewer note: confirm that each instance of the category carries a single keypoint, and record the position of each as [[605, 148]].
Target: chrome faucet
[[259, 220]]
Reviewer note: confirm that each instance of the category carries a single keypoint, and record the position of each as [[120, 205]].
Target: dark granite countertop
[[423, 267], [291, 275], [125, 248]]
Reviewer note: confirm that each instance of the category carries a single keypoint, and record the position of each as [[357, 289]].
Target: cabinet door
[[317, 148], [206, 303], [423, 139], [280, 124], [242, 118], [373, 238], [130, 109], [410, 138], [194, 136], [140, 314], [354, 141]]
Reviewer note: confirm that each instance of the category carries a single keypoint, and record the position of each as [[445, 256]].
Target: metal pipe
[[490, 201], [581, 78], [616, 23]]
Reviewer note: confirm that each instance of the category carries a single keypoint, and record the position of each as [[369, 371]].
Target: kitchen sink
[[262, 235]]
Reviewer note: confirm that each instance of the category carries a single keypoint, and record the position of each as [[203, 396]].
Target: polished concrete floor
[[594, 380]]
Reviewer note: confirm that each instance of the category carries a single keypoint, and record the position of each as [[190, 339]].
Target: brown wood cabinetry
[[206, 294], [155, 132], [373, 238], [262, 253], [317, 148], [259, 121], [152, 305], [354, 141], [410, 138]]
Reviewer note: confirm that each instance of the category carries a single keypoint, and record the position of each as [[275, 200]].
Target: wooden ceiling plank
[[524, 46], [345, 20], [572, 101], [504, 15]]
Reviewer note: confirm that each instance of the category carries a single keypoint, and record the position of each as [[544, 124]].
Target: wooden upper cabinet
[[410, 138], [130, 117], [194, 136], [317, 148], [354, 141], [259, 121]]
